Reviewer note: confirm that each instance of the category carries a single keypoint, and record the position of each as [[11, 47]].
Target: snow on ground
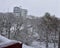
[[51, 45], [37, 44], [25, 46]]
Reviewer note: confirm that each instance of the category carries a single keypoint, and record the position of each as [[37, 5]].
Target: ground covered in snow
[[25, 46], [35, 44]]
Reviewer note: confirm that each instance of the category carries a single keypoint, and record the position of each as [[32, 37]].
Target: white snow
[[25, 46], [35, 44], [4, 39]]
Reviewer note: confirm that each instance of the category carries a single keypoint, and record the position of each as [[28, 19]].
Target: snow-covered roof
[[4, 40]]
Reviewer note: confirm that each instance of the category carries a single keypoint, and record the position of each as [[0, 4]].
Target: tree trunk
[[46, 39], [47, 30], [9, 34], [59, 41], [55, 40]]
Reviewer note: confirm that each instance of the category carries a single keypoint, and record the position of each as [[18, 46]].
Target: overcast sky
[[34, 7]]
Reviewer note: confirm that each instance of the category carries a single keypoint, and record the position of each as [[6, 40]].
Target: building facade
[[20, 12]]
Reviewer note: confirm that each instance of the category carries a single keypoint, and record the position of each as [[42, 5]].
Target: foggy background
[[34, 7]]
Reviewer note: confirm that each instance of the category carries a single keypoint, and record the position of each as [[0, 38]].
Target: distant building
[[19, 11], [24, 12]]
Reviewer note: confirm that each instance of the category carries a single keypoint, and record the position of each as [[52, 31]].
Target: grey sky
[[34, 7]]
